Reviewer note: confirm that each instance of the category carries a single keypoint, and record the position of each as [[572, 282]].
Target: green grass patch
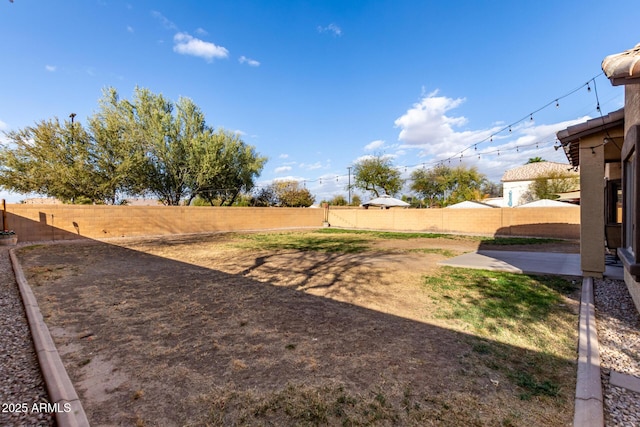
[[304, 242], [395, 235], [506, 241], [508, 316], [488, 300]]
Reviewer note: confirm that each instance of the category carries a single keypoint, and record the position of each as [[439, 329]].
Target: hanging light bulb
[[530, 117], [588, 88], [517, 149], [557, 104]]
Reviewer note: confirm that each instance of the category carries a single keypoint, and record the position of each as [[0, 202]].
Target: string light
[[510, 127]]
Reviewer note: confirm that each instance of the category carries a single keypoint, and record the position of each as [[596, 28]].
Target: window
[[629, 203], [630, 174]]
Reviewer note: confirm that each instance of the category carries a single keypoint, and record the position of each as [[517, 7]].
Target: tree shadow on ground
[[195, 345]]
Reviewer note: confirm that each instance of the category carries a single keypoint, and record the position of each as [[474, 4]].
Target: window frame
[[630, 187]]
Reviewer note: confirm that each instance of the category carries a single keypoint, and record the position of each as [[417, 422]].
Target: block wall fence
[[562, 223], [64, 222]]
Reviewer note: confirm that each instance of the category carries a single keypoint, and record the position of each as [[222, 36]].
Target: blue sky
[[317, 85]]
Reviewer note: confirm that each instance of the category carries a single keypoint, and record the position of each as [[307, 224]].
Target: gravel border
[[618, 325], [21, 382]]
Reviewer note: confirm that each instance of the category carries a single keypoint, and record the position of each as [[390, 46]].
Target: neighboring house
[[498, 202], [546, 203], [470, 204], [516, 182]]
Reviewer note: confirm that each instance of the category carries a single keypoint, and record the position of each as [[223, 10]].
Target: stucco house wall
[[516, 182], [624, 69]]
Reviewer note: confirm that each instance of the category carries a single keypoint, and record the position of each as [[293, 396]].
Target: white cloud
[[370, 156], [186, 44], [430, 127], [3, 125], [282, 169], [427, 126], [374, 145], [50, 68], [283, 156], [201, 32], [289, 178], [130, 29], [312, 166], [251, 62], [166, 23], [331, 28]]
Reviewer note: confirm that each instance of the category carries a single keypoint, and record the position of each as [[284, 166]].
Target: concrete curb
[[589, 411], [69, 411]]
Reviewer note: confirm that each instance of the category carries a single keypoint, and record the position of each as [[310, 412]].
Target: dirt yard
[[210, 330]]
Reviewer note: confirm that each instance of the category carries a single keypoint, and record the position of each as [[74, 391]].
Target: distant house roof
[[386, 202], [546, 203], [470, 204], [532, 171], [622, 67]]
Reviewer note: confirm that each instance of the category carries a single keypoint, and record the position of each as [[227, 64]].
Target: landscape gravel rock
[[618, 325], [22, 389]]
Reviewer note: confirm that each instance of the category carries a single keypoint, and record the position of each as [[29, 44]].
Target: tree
[[56, 159], [442, 185], [491, 189], [550, 186], [377, 175], [224, 167], [431, 184], [290, 194], [535, 160], [146, 145], [338, 200], [264, 197]]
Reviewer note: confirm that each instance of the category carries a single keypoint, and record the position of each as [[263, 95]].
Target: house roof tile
[[532, 171], [622, 67]]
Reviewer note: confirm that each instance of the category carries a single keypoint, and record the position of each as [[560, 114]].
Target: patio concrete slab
[[526, 262]]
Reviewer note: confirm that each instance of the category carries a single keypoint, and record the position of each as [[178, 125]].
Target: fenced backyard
[[315, 327]]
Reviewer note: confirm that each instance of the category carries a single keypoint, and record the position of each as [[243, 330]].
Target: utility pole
[[349, 187], [72, 115]]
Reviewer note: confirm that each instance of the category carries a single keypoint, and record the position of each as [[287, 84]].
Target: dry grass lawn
[[306, 328]]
